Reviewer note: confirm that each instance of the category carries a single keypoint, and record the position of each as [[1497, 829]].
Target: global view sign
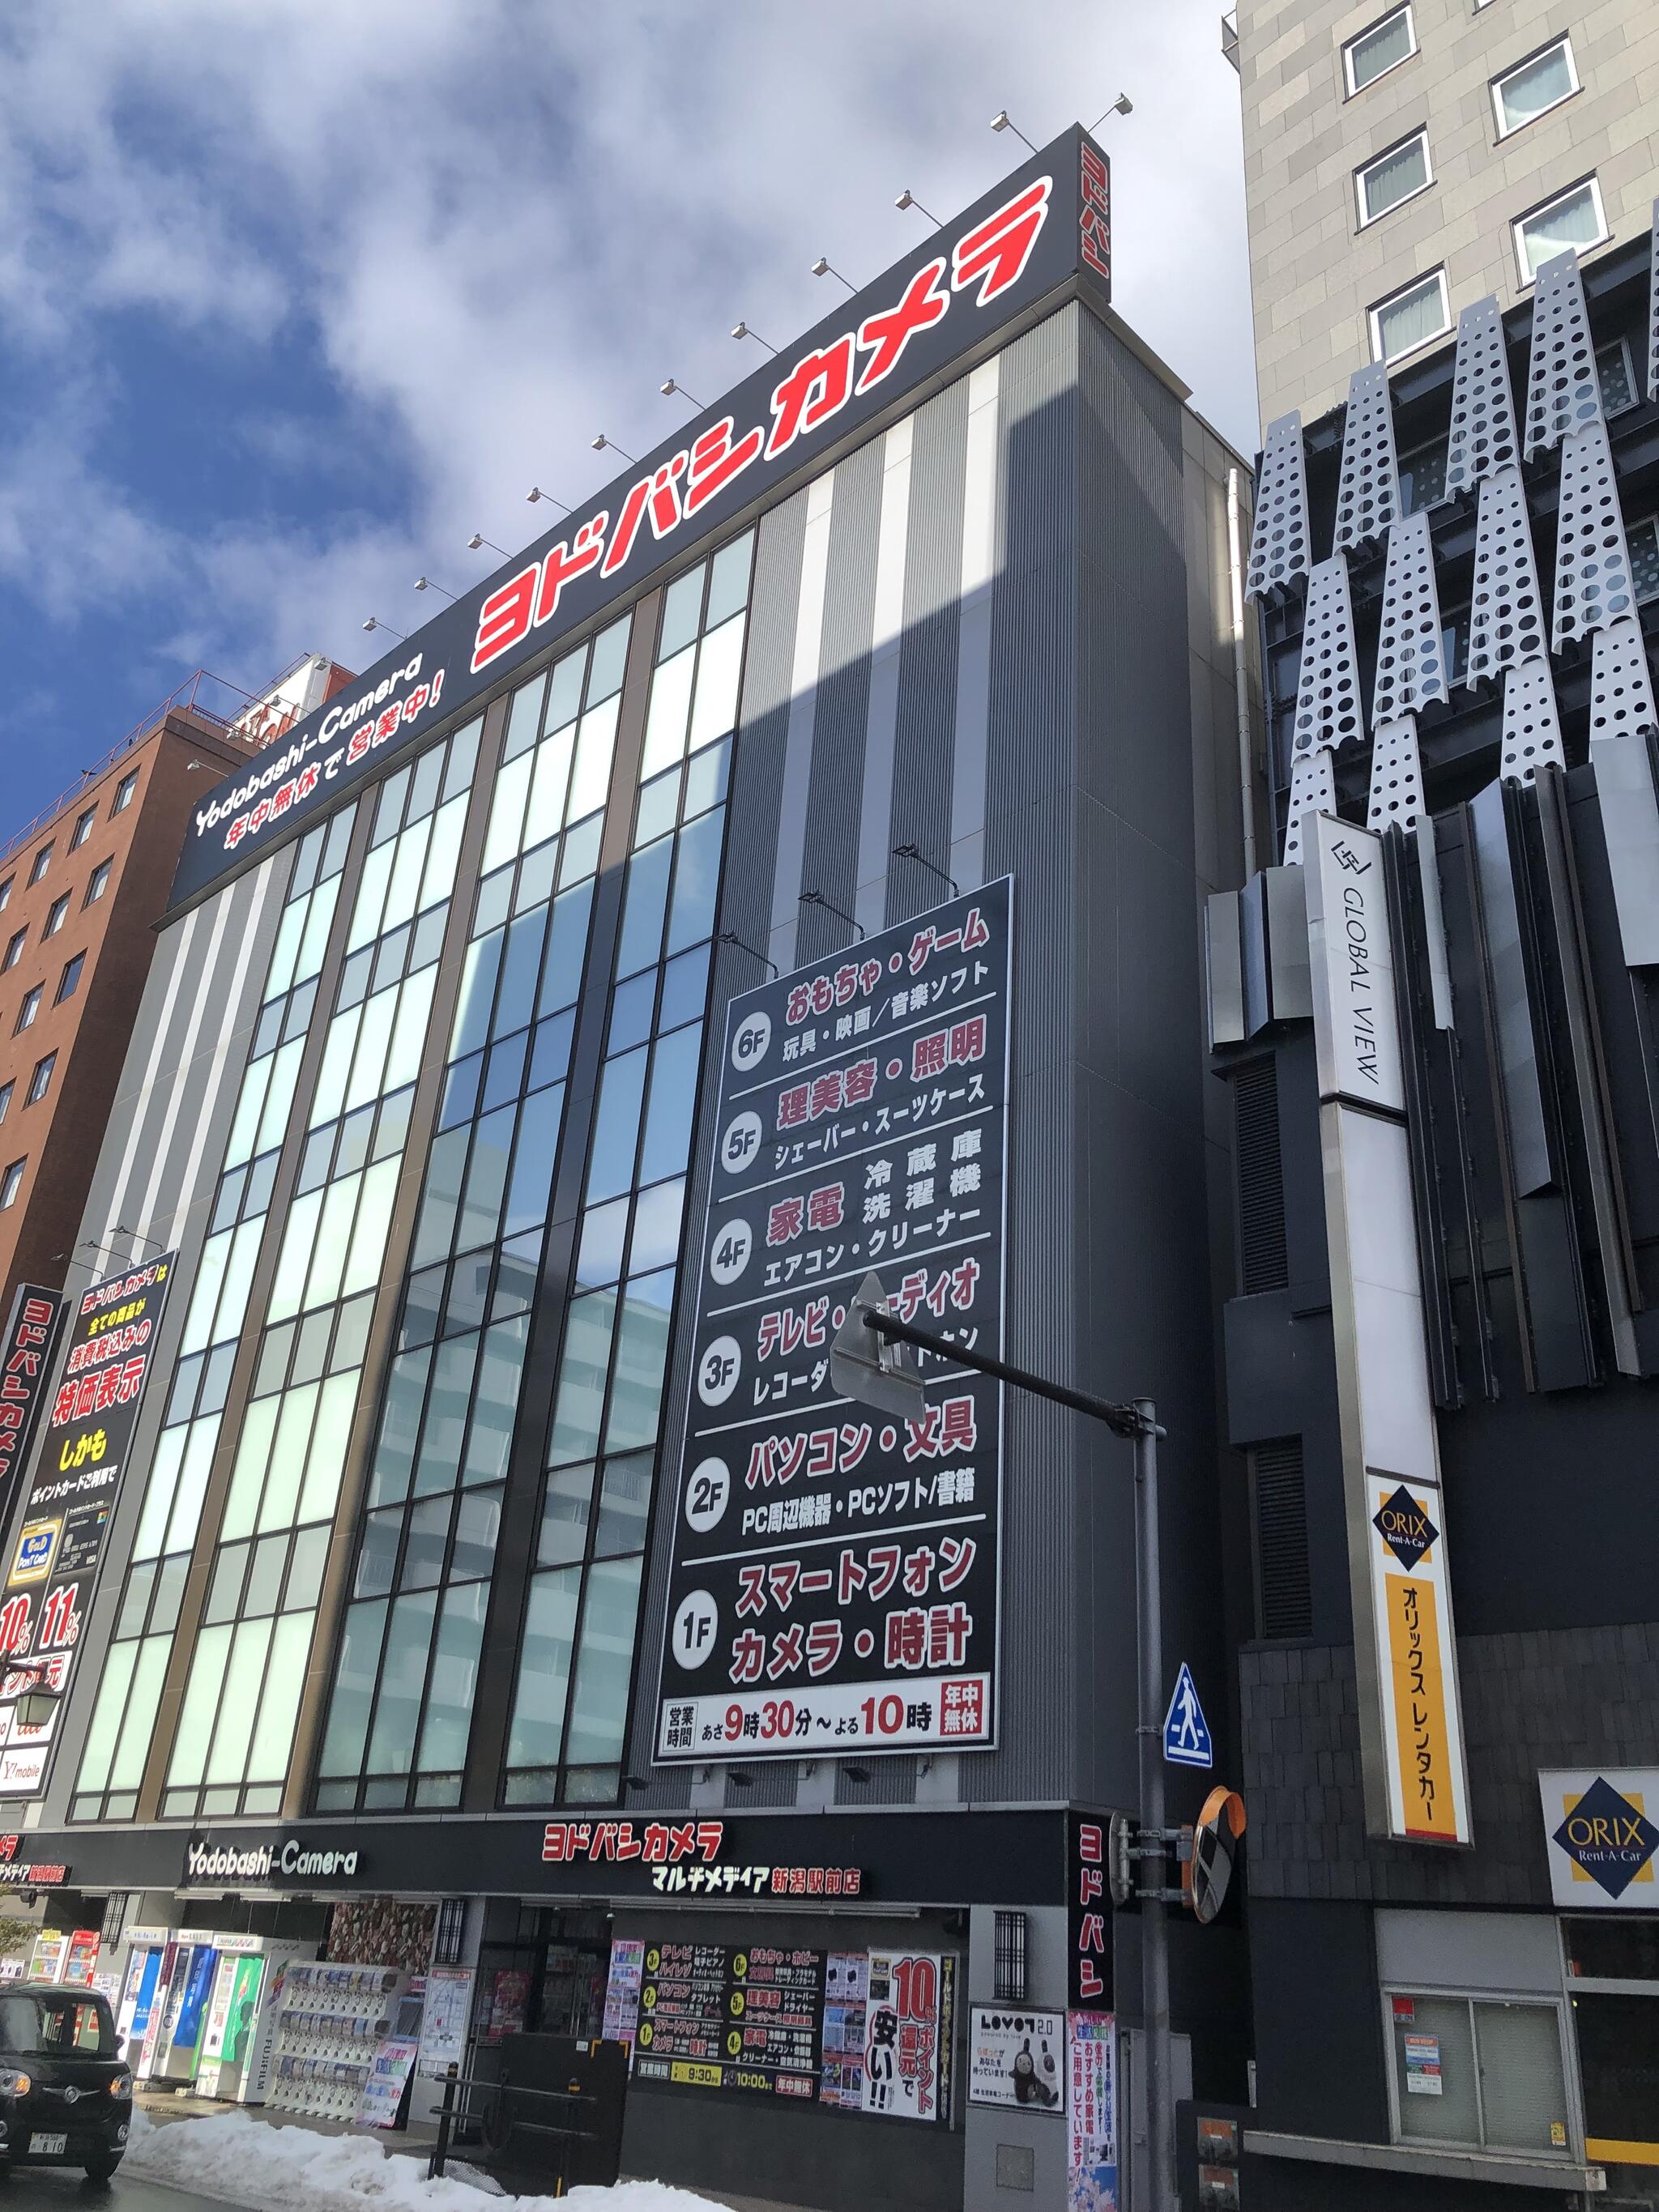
[[1600, 1837]]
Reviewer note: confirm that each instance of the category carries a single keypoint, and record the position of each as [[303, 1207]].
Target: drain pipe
[[1241, 682]]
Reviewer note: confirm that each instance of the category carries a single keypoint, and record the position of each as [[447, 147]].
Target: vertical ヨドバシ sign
[[109, 1349], [1088, 1912], [834, 1581], [26, 1351]]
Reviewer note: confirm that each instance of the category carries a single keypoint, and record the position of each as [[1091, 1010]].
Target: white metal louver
[[1653, 312], [1532, 728], [1396, 792], [1483, 436], [1506, 611], [1411, 657], [1279, 539], [1593, 585], [1313, 790], [1328, 708], [1367, 490], [1564, 392], [1621, 681]]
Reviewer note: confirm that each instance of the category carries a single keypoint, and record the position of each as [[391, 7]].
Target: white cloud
[[498, 227]]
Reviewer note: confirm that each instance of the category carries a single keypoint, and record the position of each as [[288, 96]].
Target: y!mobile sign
[[1048, 222], [836, 1579]]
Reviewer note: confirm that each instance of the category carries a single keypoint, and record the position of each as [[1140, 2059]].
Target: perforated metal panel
[[1313, 790], [1368, 492], [1593, 584], [1532, 728], [1564, 392], [1506, 611], [1411, 655], [1483, 434], [1396, 792], [1278, 540], [1621, 681], [1327, 709], [1653, 312]]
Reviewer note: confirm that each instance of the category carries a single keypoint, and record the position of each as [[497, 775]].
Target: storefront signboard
[[622, 1990], [1088, 1912], [845, 1994], [81, 1453], [835, 1578], [1017, 2058], [903, 2034], [26, 1354], [1601, 1832], [1423, 2075], [1092, 2113], [444, 2023], [723, 2016]]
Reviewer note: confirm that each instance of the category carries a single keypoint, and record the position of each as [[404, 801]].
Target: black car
[[65, 2097]]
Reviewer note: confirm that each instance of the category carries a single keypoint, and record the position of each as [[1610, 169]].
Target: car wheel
[[101, 2169]]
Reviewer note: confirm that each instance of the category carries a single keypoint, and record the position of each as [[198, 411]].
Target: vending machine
[[247, 1987]]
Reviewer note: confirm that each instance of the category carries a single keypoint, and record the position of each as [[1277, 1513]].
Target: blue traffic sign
[[1186, 1732]]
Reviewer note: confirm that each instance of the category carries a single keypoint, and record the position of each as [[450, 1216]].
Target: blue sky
[[295, 294]]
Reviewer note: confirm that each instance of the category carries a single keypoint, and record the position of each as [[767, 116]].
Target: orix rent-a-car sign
[[836, 1579], [108, 1352], [1046, 223]]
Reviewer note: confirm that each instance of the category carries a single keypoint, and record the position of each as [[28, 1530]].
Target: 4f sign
[[1186, 1732]]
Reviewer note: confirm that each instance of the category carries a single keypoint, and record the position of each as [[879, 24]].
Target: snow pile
[[289, 2169]]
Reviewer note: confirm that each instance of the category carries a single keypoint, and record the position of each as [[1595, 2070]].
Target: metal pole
[[434, 2164], [1154, 1935]]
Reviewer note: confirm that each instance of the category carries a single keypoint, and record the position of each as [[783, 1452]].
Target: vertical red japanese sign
[[26, 1351], [1088, 1913], [835, 1578], [84, 1444]]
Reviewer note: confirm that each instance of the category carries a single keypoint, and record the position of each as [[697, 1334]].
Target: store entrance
[[1612, 1969], [543, 1972]]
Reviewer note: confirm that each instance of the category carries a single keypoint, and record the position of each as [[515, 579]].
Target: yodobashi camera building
[[789, 868]]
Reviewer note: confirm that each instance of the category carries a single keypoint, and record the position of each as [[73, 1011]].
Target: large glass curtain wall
[[117, 1739], [576, 1657], [402, 1705]]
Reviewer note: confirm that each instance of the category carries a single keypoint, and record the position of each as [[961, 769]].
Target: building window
[[5, 893], [56, 916], [124, 792], [1573, 218], [98, 882], [82, 829], [1380, 49], [27, 1011], [70, 981], [1485, 2073], [15, 945], [1617, 377], [42, 862], [1643, 541], [6, 1090], [1393, 177], [10, 1183], [1533, 87], [1410, 318], [1423, 477], [41, 1081]]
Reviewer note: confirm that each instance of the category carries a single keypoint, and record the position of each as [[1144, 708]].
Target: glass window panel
[[400, 1420], [493, 900], [328, 1256], [515, 1001], [657, 1228], [673, 1104], [682, 612], [684, 989], [1575, 220], [579, 855], [127, 1768], [516, 1277], [392, 1124], [389, 813], [227, 1204], [599, 1704], [463, 759], [375, 1018], [1543, 82], [409, 1031], [192, 1485], [300, 1004], [728, 579], [273, 1738], [158, 1493], [670, 709], [319, 920], [605, 1232], [305, 1568], [267, 1030], [327, 1457], [265, 1585], [642, 1349], [201, 1699], [609, 659], [478, 973], [565, 698], [279, 1095], [455, 1680], [426, 1542], [550, 1055], [238, 1277], [719, 665], [486, 1179], [290, 930], [496, 1402], [311, 1348], [706, 778], [567, 949], [445, 1415], [261, 1179], [1393, 178], [369, 1238], [170, 1578], [316, 1158], [506, 813], [566, 1511], [581, 1377], [182, 1399], [351, 1332], [1412, 318], [647, 892], [616, 1125], [592, 771], [537, 872], [549, 786], [469, 1293], [632, 1005], [696, 881], [529, 1192], [1453, 2115], [354, 1688], [524, 716], [370, 903], [659, 808], [205, 1298], [250, 1105], [248, 1475], [106, 1716], [446, 1165], [1379, 49], [476, 1531], [225, 1592], [423, 784], [403, 1677], [238, 1703], [288, 1457], [624, 1504], [377, 1557], [329, 1097], [273, 1359], [391, 958], [428, 941], [135, 1604], [460, 1099], [537, 1730]]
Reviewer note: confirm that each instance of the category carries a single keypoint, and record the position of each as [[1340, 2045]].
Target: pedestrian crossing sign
[[1186, 1732]]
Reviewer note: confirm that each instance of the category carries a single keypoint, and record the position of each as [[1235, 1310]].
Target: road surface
[[63, 2188]]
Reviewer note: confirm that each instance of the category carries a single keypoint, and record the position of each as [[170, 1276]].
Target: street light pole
[[889, 1385]]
